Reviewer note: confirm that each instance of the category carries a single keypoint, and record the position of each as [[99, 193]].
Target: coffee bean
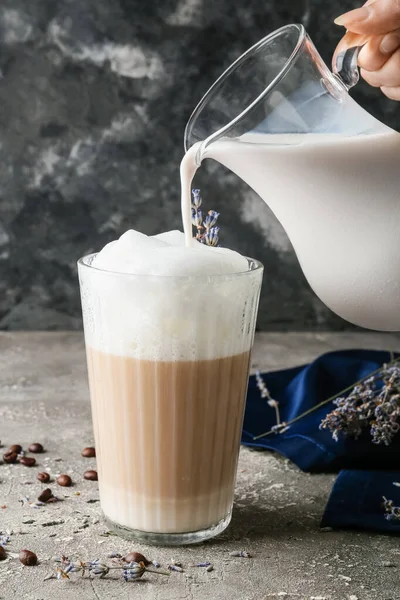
[[36, 448], [64, 480], [89, 452], [15, 448], [28, 461], [28, 558], [10, 457], [3, 554], [43, 477], [91, 475], [136, 557], [52, 499], [45, 495]]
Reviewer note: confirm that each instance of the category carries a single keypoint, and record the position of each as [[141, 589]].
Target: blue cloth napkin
[[367, 468]]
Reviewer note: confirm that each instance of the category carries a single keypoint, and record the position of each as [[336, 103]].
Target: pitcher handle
[[346, 68]]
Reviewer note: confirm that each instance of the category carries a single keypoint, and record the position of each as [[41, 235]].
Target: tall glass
[[168, 361]]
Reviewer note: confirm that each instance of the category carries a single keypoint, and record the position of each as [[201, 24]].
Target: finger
[[388, 75], [391, 92], [378, 50], [377, 17]]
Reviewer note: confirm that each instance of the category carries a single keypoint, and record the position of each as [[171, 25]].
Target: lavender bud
[[197, 217], [211, 219], [97, 568], [175, 568], [133, 571], [196, 198], [211, 237]]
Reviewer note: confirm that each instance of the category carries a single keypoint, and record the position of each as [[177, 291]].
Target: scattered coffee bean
[[36, 448], [28, 461], [15, 448], [2, 553], [64, 480], [89, 452], [91, 475], [28, 558], [43, 477], [45, 495], [52, 500], [136, 557], [10, 457]]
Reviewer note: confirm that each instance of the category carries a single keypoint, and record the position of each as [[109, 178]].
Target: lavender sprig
[[264, 391], [381, 430], [207, 232], [130, 571], [374, 403]]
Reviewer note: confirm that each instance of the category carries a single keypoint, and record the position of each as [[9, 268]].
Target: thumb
[[373, 18]]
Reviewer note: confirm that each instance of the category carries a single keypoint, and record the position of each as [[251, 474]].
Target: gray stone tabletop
[[44, 398]]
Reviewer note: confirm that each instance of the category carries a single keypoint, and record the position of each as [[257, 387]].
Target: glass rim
[[302, 34], [256, 264]]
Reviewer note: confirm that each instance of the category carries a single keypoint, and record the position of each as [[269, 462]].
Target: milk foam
[[153, 298], [166, 254]]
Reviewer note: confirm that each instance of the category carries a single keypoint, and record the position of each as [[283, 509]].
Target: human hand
[[377, 25]]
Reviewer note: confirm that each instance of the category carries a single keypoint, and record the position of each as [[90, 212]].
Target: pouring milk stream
[[327, 169]]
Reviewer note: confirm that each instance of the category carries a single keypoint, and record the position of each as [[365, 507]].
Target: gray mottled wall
[[94, 97]]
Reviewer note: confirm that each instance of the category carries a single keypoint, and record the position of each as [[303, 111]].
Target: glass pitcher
[[285, 124], [281, 85]]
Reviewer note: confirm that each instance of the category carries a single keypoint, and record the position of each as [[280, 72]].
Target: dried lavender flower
[[392, 512], [4, 538], [197, 218], [75, 567], [130, 571], [240, 553], [196, 198], [175, 568], [114, 555], [211, 219], [207, 232], [373, 403], [133, 571], [95, 567], [211, 237], [264, 391]]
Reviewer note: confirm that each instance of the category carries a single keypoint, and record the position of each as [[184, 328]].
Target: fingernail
[[390, 43], [354, 16]]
